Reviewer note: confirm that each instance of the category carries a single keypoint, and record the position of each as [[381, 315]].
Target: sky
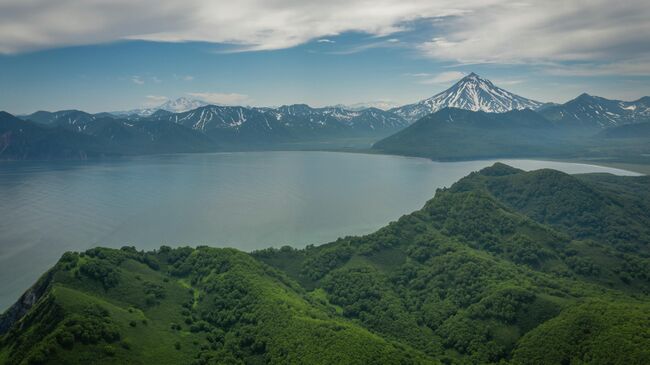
[[112, 55]]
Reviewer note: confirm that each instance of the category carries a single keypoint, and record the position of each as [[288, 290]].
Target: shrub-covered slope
[[505, 266], [183, 306]]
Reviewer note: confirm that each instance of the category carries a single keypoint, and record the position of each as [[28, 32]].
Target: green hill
[[455, 134], [505, 266], [181, 306]]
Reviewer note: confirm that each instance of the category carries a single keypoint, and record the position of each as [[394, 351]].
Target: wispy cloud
[[543, 32], [183, 77], [466, 31], [442, 78], [418, 74], [507, 82], [385, 43], [636, 67], [252, 24], [221, 98], [154, 101], [138, 80]]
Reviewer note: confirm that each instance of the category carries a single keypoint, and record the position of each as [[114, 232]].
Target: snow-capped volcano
[[181, 105], [471, 93]]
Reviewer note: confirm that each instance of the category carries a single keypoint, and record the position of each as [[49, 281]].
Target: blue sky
[[337, 58]]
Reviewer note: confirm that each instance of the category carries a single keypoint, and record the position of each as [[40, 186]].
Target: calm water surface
[[245, 200]]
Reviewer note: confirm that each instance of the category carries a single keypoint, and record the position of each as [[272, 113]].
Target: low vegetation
[[504, 267]]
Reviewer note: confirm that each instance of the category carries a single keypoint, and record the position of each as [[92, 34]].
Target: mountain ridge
[[572, 129], [178, 105], [598, 111]]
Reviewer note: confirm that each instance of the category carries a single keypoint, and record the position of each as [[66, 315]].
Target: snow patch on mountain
[[179, 105], [598, 111], [471, 93]]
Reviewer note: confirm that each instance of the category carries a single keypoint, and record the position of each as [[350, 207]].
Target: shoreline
[[632, 166]]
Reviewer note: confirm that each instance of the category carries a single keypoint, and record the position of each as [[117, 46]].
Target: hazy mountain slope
[[69, 119], [20, 140], [627, 131], [286, 123], [201, 127], [80, 138], [148, 136], [451, 134], [470, 93], [337, 119], [230, 124], [596, 111]]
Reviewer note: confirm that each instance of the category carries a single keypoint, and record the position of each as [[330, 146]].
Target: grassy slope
[[212, 304], [503, 266]]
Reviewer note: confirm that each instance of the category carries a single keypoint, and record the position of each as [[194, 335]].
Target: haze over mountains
[[185, 125]]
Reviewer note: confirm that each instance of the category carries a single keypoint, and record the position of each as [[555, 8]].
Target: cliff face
[[26, 301]]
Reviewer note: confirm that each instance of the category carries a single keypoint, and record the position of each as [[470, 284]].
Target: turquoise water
[[245, 200]]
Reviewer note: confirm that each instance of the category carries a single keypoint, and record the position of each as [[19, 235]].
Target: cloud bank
[[599, 37], [465, 31]]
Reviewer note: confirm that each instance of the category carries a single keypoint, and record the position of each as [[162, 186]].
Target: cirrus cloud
[[465, 31], [443, 77], [252, 24], [154, 100], [138, 80], [548, 33]]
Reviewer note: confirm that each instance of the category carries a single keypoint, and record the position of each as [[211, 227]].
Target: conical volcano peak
[[475, 80], [471, 93]]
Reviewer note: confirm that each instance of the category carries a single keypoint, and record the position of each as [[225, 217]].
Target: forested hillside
[[505, 266], [456, 134]]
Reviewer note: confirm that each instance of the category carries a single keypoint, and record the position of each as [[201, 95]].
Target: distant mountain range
[[473, 109], [597, 111], [379, 104], [475, 119], [78, 134], [284, 123], [179, 105], [470, 93]]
